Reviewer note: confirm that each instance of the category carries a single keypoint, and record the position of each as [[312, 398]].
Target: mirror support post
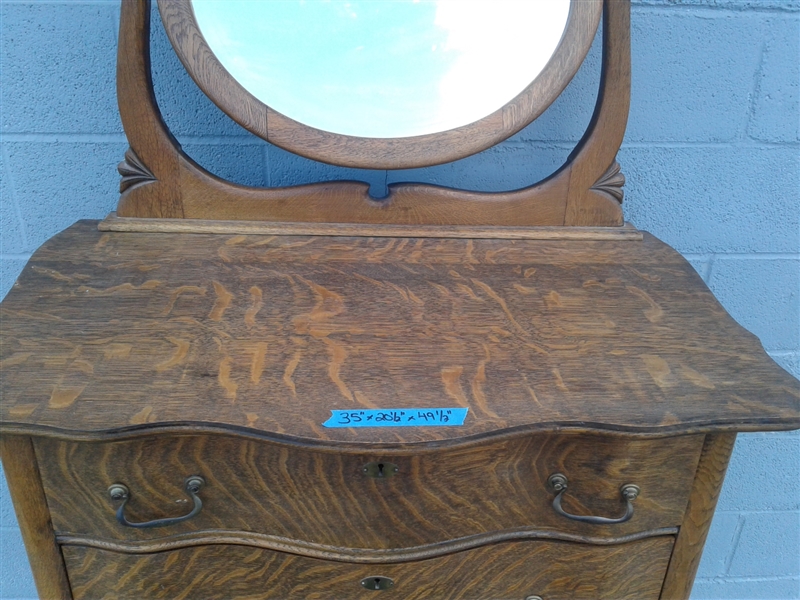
[[595, 177], [150, 180]]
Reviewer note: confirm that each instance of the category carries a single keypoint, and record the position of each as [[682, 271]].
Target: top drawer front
[[326, 498]]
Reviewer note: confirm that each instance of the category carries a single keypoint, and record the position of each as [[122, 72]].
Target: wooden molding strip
[[152, 429], [148, 225], [349, 555]]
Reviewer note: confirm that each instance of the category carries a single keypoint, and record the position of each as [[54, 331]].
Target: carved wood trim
[[183, 189], [611, 183], [133, 172], [349, 555]]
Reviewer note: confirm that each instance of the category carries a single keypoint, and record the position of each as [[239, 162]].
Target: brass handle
[[192, 486], [628, 491]]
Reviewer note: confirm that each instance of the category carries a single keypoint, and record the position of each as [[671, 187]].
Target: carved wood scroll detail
[[133, 171], [611, 182]]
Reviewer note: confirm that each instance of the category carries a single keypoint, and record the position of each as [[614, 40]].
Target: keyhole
[[380, 474], [377, 583]]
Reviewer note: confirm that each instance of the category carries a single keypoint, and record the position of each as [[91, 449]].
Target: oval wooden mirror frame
[[380, 153], [163, 189]]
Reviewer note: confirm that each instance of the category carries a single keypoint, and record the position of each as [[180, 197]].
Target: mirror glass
[[383, 68]]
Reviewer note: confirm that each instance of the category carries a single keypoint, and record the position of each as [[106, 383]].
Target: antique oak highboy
[[307, 392]]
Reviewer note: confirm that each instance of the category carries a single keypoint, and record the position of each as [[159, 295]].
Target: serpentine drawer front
[[248, 487], [509, 571]]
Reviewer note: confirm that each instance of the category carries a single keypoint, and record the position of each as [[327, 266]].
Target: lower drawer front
[[514, 570]]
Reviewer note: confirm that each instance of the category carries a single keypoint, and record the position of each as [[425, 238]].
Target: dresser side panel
[[24, 483], [691, 538]]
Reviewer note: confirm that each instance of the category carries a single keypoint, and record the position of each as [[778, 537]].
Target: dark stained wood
[[379, 153], [109, 333], [437, 496], [694, 529], [25, 486], [505, 571], [584, 192]]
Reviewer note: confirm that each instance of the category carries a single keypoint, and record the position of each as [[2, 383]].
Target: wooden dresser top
[[112, 334]]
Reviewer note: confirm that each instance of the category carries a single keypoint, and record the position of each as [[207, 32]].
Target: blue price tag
[[398, 417]]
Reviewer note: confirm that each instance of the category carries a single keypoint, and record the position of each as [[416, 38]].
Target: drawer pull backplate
[[192, 486], [628, 491]]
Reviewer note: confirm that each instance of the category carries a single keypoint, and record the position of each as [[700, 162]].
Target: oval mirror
[[382, 83]]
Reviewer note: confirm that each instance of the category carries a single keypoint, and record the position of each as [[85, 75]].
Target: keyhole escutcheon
[[377, 583]]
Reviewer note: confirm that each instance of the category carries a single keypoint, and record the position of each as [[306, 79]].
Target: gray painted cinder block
[[685, 87], [568, 117], [701, 264], [746, 589], [789, 361], [503, 167], [7, 517], [722, 199], [242, 163], [720, 544], [763, 475], [768, 546], [57, 183], [68, 83], [777, 91], [10, 268], [16, 580], [761, 5], [287, 169], [762, 295], [11, 234]]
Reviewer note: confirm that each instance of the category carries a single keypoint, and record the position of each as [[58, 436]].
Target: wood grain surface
[[152, 225], [509, 571], [113, 333], [325, 498], [707, 486], [25, 487]]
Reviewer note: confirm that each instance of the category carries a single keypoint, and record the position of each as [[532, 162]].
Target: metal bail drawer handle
[[192, 486], [629, 493]]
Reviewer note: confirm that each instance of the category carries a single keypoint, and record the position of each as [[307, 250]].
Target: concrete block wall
[[712, 157]]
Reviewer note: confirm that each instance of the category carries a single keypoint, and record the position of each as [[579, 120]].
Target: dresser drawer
[[515, 570], [326, 498]]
